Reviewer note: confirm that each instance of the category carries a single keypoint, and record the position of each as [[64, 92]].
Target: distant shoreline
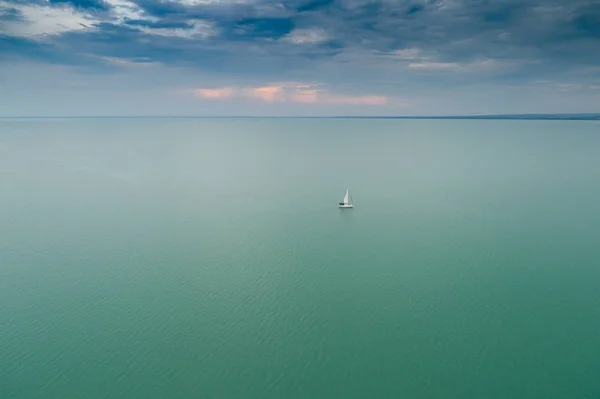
[[576, 117]]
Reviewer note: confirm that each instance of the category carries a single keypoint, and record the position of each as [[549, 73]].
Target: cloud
[[433, 65], [84, 5], [11, 14], [123, 10], [307, 36], [438, 33], [291, 92], [313, 5], [58, 17], [407, 54], [189, 30], [214, 94], [266, 93], [357, 100], [467, 67], [37, 20]]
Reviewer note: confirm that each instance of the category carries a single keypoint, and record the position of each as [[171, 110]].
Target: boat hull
[[346, 206]]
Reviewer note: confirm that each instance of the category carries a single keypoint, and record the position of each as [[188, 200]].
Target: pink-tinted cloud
[[215, 94], [267, 93], [308, 96], [357, 100], [315, 97], [291, 92]]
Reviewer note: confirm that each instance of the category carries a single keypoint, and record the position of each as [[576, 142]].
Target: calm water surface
[[192, 258]]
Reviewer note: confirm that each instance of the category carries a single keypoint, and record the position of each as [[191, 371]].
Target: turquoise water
[[199, 258]]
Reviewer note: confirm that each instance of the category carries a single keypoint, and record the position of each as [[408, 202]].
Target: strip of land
[[576, 117]]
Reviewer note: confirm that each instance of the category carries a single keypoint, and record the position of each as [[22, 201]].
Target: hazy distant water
[[208, 259]]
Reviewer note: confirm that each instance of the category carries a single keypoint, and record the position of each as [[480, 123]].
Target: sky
[[298, 57]]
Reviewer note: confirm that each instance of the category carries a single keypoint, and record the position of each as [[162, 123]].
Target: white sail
[[345, 204]]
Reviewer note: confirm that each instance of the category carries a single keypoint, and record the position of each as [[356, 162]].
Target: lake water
[[207, 258]]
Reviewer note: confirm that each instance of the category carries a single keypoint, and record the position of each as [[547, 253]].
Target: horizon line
[[538, 116]]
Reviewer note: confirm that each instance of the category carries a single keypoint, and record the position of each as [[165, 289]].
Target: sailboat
[[346, 202]]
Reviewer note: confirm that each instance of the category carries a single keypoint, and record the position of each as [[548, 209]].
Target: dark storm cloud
[[14, 48], [159, 8], [538, 36], [11, 14], [256, 28], [83, 4], [161, 24], [313, 5]]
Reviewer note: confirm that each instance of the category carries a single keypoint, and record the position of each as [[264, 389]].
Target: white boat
[[346, 203]]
